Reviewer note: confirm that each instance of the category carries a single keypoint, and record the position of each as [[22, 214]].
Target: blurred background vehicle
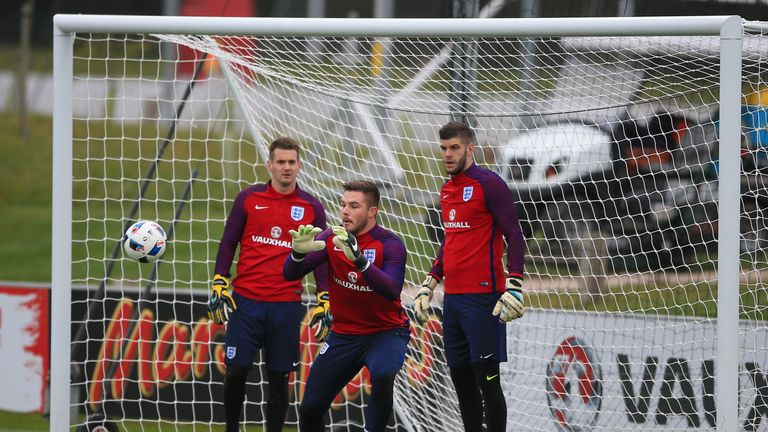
[[637, 190]]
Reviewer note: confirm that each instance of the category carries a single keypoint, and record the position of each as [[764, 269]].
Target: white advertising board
[[588, 371]]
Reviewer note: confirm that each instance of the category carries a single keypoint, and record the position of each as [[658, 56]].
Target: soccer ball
[[144, 241]]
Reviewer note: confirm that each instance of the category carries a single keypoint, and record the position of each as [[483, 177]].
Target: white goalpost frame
[[728, 28]]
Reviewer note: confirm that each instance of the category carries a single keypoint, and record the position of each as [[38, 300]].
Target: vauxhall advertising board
[[572, 371], [567, 371]]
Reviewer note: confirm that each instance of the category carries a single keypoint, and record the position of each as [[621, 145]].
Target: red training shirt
[[479, 216], [259, 221], [366, 302]]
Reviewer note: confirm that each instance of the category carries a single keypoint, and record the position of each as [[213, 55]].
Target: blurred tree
[[27, 9]]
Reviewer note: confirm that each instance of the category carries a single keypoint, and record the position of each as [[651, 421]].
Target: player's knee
[[278, 385], [487, 376], [311, 409], [313, 405], [383, 377], [237, 372]]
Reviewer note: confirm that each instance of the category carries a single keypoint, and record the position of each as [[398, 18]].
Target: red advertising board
[[24, 353], [215, 8]]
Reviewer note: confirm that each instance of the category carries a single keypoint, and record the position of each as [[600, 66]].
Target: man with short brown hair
[[366, 271], [262, 308], [479, 218]]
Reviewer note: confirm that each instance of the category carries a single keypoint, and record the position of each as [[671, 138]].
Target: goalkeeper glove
[[221, 303], [304, 241], [423, 297], [321, 316], [347, 243], [510, 305]]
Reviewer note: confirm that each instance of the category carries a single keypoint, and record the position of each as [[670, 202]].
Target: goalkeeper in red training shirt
[[479, 216], [366, 270], [263, 309]]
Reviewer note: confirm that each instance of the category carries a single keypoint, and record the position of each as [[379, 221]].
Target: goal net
[[610, 145]]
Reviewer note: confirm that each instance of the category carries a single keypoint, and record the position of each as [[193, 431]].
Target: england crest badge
[[370, 254], [468, 193], [297, 213]]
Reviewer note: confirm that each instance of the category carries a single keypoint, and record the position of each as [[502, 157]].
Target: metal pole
[[61, 235], [528, 9], [463, 71], [315, 9], [727, 373], [380, 65], [626, 8], [168, 50]]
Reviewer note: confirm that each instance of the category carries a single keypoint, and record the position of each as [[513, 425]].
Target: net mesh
[[608, 143]]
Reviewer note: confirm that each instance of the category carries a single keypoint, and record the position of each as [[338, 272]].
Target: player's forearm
[[437, 264], [502, 206], [296, 269], [321, 277], [293, 270], [516, 254], [513, 236], [386, 282], [233, 231], [224, 257]]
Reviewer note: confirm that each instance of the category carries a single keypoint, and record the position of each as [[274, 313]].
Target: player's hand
[[321, 315], [510, 305], [347, 243], [423, 297], [304, 241], [221, 303]]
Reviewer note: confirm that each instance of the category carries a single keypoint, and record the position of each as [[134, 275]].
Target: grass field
[[15, 422], [100, 210], [25, 170], [100, 207], [12, 422]]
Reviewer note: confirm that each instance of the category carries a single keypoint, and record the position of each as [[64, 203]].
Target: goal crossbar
[[399, 27]]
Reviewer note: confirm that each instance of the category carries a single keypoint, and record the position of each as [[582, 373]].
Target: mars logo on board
[[574, 386]]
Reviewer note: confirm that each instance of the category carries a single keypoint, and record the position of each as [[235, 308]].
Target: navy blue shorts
[[471, 334], [342, 357], [274, 326]]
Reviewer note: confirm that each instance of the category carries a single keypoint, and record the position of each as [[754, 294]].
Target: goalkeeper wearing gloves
[[366, 270], [303, 243], [479, 217], [262, 309]]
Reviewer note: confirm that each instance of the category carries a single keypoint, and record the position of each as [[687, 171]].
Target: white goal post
[[625, 319]]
